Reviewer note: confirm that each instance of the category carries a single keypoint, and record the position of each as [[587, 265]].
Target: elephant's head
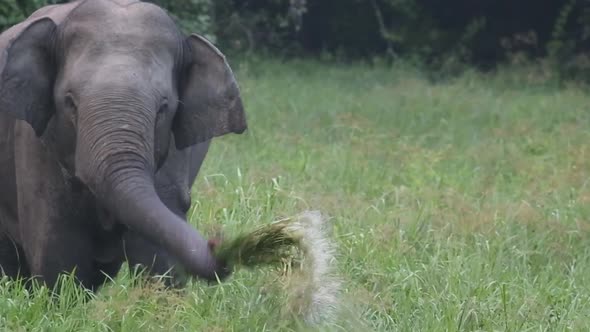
[[111, 83]]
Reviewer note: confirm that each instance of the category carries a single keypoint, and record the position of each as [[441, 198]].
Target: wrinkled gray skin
[[106, 114]]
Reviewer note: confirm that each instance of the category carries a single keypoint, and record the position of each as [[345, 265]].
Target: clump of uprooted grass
[[301, 240]]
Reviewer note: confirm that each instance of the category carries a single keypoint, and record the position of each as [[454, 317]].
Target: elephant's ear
[[27, 72], [210, 102]]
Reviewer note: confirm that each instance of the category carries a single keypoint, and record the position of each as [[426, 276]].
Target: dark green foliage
[[482, 32], [10, 13], [13, 11], [192, 15], [439, 33], [263, 24]]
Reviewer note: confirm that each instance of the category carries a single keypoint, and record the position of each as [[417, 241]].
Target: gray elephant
[[106, 113]]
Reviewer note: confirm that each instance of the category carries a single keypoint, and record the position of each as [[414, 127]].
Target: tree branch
[[383, 29]]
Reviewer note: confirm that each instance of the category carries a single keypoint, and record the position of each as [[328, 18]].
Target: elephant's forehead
[[129, 24]]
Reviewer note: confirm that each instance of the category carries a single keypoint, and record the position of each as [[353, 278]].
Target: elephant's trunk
[[135, 202], [114, 157]]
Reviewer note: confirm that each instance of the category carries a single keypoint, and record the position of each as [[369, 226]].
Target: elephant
[[107, 111]]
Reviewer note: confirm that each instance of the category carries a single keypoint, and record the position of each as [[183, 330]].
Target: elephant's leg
[[103, 272], [12, 259], [52, 249], [56, 234]]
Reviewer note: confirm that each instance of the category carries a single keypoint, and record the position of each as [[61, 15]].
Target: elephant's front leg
[[12, 260], [55, 231]]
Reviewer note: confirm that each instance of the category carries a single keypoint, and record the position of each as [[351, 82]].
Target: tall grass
[[455, 207]]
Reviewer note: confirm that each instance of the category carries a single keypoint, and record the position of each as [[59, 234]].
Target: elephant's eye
[[71, 107], [70, 102], [163, 107]]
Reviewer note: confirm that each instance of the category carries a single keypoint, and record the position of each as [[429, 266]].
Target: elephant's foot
[[12, 259]]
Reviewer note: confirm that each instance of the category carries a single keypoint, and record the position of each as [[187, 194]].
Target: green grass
[[457, 206]]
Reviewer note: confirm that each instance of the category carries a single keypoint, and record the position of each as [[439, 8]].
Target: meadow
[[456, 205]]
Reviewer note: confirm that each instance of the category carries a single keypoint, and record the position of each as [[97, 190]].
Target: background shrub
[[438, 33]]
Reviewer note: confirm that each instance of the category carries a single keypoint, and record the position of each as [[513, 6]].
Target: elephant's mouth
[[109, 245], [108, 237]]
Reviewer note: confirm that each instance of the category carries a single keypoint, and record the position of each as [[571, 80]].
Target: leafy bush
[[9, 14], [192, 15], [441, 34], [255, 25]]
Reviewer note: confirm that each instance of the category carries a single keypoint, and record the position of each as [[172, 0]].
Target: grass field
[[455, 206]]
